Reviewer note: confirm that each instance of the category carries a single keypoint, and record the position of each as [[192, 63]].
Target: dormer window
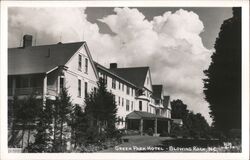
[[79, 62]]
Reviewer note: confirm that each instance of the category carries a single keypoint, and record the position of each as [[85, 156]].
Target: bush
[[164, 134], [92, 135], [150, 132]]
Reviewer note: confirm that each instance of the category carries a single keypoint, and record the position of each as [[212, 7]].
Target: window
[[122, 101], [86, 65], [113, 83], [119, 100], [140, 105], [127, 105], [132, 92], [119, 85], [122, 87], [79, 62], [79, 88], [61, 85], [86, 89], [128, 89], [132, 105]]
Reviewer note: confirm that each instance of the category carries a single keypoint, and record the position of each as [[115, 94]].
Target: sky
[[176, 43]]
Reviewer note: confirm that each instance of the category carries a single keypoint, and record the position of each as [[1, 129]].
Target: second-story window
[[86, 65], [128, 90], [132, 105], [140, 105], [119, 100], [79, 62], [79, 88], [113, 83], [127, 105], [122, 101], [61, 85], [122, 87], [86, 89], [119, 86]]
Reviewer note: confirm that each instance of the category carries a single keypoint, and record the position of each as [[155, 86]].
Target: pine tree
[[62, 109], [222, 87], [79, 127], [101, 109], [43, 137]]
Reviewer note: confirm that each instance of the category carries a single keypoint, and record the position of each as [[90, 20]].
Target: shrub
[[164, 134], [150, 132]]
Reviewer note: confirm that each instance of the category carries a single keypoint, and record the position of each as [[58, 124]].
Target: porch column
[[126, 123], [13, 86], [44, 88], [141, 127], [155, 127]]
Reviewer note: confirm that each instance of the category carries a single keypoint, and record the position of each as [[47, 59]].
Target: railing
[[32, 90], [29, 91], [52, 91]]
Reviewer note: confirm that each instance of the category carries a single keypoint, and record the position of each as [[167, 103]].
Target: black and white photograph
[[126, 79]]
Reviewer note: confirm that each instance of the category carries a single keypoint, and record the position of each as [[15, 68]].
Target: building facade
[[45, 70]]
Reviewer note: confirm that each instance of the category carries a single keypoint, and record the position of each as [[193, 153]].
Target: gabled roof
[[166, 100], [101, 67], [144, 115], [157, 91], [135, 75], [40, 59]]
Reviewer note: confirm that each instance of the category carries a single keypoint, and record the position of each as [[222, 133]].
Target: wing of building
[[45, 69]]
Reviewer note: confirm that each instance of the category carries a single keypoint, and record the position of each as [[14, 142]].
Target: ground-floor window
[[127, 105]]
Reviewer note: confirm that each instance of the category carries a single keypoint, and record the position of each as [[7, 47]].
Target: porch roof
[[144, 115]]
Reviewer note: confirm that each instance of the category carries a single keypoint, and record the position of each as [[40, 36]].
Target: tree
[[43, 137], [222, 87], [194, 125], [179, 109], [24, 115], [101, 109], [79, 126], [61, 109]]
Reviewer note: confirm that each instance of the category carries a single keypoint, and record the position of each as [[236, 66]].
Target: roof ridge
[[130, 67], [59, 43]]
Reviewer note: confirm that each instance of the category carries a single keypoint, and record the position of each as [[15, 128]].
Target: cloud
[[170, 44]]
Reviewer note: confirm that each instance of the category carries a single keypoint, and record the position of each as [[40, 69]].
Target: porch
[[147, 122]]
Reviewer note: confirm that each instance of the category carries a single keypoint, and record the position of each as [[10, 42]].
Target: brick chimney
[[27, 40], [113, 65]]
